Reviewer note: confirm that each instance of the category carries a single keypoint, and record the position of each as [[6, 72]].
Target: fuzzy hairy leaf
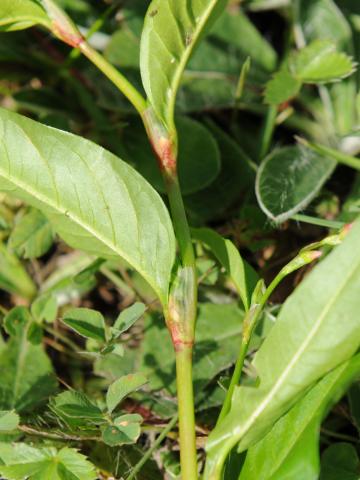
[[95, 201], [323, 19], [288, 180], [320, 324], [20, 14], [21, 461], [171, 31]]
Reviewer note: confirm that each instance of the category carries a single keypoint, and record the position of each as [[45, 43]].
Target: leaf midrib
[[185, 58], [286, 372], [19, 184]]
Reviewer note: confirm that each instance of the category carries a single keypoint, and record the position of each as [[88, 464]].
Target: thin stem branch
[[340, 157], [64, 437], [136, 469], [252, 317], [321, 222], [267, 131], [115, 76]]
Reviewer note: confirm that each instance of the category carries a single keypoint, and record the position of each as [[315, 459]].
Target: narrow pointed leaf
[[321, 331], [277, 450], [229, 257], [20, 14], [171, 31], [95, 201]]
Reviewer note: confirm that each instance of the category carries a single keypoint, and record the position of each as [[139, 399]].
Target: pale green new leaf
[[229, 257], [320, 62], [320, 322], [171, 31], [95, 202], [13, 276], [294, 438], [122, 387], [21, 461], [32, 235], [288, 180], [9, 420], [21, 14]]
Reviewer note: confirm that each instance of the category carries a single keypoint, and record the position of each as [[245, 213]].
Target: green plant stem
[[340, 157], [95, 27], [321, 222], [267, 131], [181, 226], [165, 148], [188, 456], [63, 437], [115, 76], [136, 469], [249, 324]]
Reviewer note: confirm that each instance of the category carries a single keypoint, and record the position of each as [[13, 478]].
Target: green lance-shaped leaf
[[21, 14], [95, 201], [229, 257], [289, 179], [122, 387], [171, 31], [283, 448], [321, 328]]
